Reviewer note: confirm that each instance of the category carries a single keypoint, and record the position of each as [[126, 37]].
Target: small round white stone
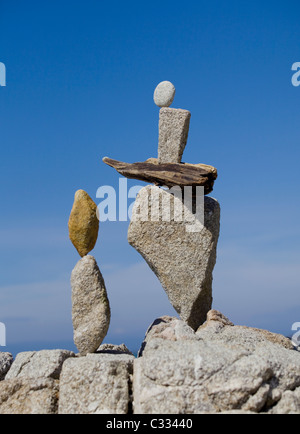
[[164, 94]]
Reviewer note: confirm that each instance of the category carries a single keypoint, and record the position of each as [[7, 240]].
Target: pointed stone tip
[[80, 193]]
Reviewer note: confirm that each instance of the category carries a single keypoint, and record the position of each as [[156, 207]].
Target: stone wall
[[220, 368]]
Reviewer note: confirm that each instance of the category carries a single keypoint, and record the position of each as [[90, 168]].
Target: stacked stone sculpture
[[90, 305], [201, 363], [183, 259]]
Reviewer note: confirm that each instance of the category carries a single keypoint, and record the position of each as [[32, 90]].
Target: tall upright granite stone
[[183, 261], [173, 134], [90, 306]]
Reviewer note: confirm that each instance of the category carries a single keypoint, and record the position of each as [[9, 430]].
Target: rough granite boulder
[[214, 330], [96, 384], [169, 328], [90, 306], [220, 368], [39, 364], [183, 260], [29, 396], [6, 360], [289, 403]]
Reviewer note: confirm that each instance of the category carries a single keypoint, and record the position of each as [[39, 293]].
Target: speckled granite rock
[[38, 364], [183, 261], [173, 134], [114, 349], [289, 403], [220, 368], [164, 94], [90, 306], [169, 328], [29, 396], [6, 360], [96, 384]]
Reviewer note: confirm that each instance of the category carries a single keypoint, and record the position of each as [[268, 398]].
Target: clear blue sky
[[80, 80]]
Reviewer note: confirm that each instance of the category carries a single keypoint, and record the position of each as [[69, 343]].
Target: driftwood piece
[[167, 174]]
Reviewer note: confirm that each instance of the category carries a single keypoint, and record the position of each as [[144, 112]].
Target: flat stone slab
[[96, 384], [114, 349], [167, 174]]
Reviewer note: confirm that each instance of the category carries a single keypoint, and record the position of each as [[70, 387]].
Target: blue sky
[[80, 81]]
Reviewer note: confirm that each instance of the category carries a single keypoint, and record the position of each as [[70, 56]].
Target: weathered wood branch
[[167, 174]]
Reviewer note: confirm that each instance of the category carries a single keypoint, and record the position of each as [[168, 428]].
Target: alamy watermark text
[[296, 75], [179, 204], [2, 74], [2, 335], [296, 336]]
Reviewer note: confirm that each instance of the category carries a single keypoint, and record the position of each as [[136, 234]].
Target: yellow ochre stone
[[83, 223]]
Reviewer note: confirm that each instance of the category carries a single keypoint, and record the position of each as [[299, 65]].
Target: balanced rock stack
[[176, 235], [201, 363], [90, 305]]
